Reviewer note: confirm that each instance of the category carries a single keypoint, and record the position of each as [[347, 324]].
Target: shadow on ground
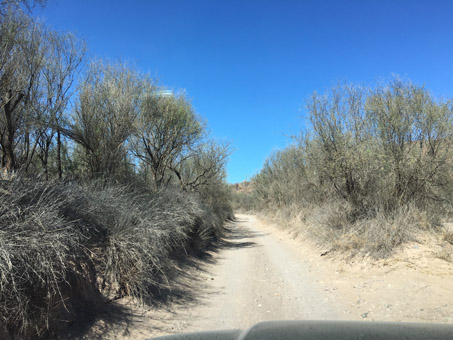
[[236, 235], [185, 284]]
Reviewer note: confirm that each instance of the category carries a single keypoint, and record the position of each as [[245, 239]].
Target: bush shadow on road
[[236, 235], [185, 284]]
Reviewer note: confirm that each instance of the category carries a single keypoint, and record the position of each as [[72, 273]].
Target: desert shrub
[[384, 147], [104, 115], [38, 251], [377, 236], [369, 162], [342, 141], [380, 235], [415, 135], [134, 234], [140, 234], [329, 219], [62, 244], [242, 201], [285, 179]]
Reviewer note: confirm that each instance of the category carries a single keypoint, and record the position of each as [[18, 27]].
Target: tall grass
[[38, 249], [63, 245]]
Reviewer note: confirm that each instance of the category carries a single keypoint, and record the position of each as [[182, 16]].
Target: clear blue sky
[[250, 65]]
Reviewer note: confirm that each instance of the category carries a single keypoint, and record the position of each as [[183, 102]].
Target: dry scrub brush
[[61, 244], [138, 233], [134, 235], [330, 224], [37, 247], [373, 167]]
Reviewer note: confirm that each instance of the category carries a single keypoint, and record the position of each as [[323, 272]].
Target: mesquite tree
[[104, 115], [166, 135]]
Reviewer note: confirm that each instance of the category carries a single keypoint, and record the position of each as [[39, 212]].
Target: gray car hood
[[327, 330]]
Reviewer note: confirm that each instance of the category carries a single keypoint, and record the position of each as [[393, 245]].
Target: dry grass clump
[[335, 225], [38, 247], [63, 244], [139, 233], [133, 236], [448, 236], [447, 248], [330, 219]]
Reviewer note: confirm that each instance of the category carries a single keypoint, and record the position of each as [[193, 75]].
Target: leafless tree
[[19, 5], [204, 166], [22, 58], [64, 54]]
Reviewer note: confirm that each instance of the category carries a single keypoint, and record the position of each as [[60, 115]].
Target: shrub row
[[65, 245], [373, 166]]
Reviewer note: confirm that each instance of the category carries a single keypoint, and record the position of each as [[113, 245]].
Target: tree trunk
[[46, 168], [3, 157], [25, 159], [45, 160], [60, 170], [8, 146]]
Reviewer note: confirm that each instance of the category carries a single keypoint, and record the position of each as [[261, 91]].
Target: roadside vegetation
[[107, 178], [371, 171]]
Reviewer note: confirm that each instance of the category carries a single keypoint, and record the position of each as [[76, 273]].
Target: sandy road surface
[[251, 277], [257, 279], [260, 273]]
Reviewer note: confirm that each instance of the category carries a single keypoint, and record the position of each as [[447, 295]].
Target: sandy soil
[[412, 285], [265, 273]]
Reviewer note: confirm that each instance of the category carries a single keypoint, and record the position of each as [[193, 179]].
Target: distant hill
[[245, 186]]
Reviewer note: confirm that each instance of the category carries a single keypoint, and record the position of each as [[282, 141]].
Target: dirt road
[[259, 273], [259, 278], [253, 276]]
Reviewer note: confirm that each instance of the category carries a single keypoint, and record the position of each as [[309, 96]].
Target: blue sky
[[249, 66]]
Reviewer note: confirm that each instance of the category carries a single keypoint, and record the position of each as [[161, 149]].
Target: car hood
[[327, 330]]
